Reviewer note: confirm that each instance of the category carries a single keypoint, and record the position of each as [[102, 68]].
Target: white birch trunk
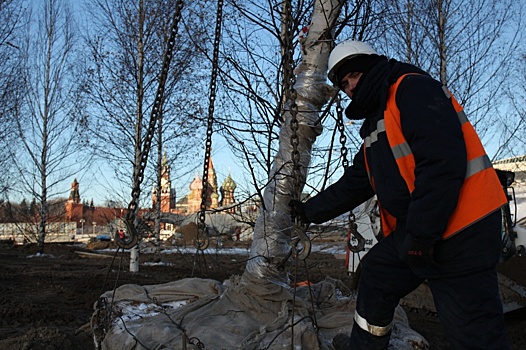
[[134, 259]]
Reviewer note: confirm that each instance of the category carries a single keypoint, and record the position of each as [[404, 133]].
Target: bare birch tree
[[255, 117], [48, 107], [12, 18], [469, 45], [127, 43], [252, 96], [512, 119]]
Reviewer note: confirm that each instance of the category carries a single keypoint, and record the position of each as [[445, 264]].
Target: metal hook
[[353, 229], [201, 240], [130, 237], [303, 241]]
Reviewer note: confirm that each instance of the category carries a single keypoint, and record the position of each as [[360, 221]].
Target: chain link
[[341, 128], [302, 247], [291, 95]]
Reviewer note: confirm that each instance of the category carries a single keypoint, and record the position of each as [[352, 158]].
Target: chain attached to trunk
[[302, 245]]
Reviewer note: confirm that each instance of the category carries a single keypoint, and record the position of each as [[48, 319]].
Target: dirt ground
[[46, 302]]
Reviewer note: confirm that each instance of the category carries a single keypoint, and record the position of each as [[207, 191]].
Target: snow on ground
[[339, 247], [322, 247]]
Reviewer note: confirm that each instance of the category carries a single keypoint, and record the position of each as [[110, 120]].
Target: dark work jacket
[[434, 134]]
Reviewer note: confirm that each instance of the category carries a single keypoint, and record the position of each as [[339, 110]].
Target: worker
[[439, 199]]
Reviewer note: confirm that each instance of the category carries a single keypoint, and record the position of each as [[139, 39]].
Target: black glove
[[297, 210], [418, 253]]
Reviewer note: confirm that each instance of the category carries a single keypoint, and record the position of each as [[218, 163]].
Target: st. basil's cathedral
[[222, 197]]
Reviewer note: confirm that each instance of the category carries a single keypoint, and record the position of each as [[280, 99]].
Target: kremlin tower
[[167, 192]]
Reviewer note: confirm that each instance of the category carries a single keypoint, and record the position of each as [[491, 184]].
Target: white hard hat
[[344, 52]]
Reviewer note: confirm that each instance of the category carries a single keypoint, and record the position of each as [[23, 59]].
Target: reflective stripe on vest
[[481, 192]]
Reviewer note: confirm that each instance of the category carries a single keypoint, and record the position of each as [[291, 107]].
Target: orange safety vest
[[473, 203]]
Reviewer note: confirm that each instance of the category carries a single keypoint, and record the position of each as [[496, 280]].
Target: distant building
[[514, 164], [191, 203], [227, 194], [92, 220], [106, 220]]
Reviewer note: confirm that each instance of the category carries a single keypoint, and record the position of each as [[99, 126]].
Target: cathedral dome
[[197, 184], [229, 184]]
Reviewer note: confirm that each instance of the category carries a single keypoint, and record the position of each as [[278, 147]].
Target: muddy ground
[[46, 302]]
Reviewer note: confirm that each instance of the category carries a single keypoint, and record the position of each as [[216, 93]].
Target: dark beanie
[[360, 63]]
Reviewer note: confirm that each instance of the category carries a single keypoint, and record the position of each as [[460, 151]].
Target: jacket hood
[[371, 92]]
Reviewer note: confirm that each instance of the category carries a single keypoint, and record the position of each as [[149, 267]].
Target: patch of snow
[[41, 255], [160, 263], [131, 311]]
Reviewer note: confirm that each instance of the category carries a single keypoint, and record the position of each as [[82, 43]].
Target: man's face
[[349, 82]]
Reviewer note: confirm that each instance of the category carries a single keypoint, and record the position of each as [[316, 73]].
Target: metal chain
[[201, 241], [352, 226], [341, 128], [302, 247], [138, 175], [289, 80]]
